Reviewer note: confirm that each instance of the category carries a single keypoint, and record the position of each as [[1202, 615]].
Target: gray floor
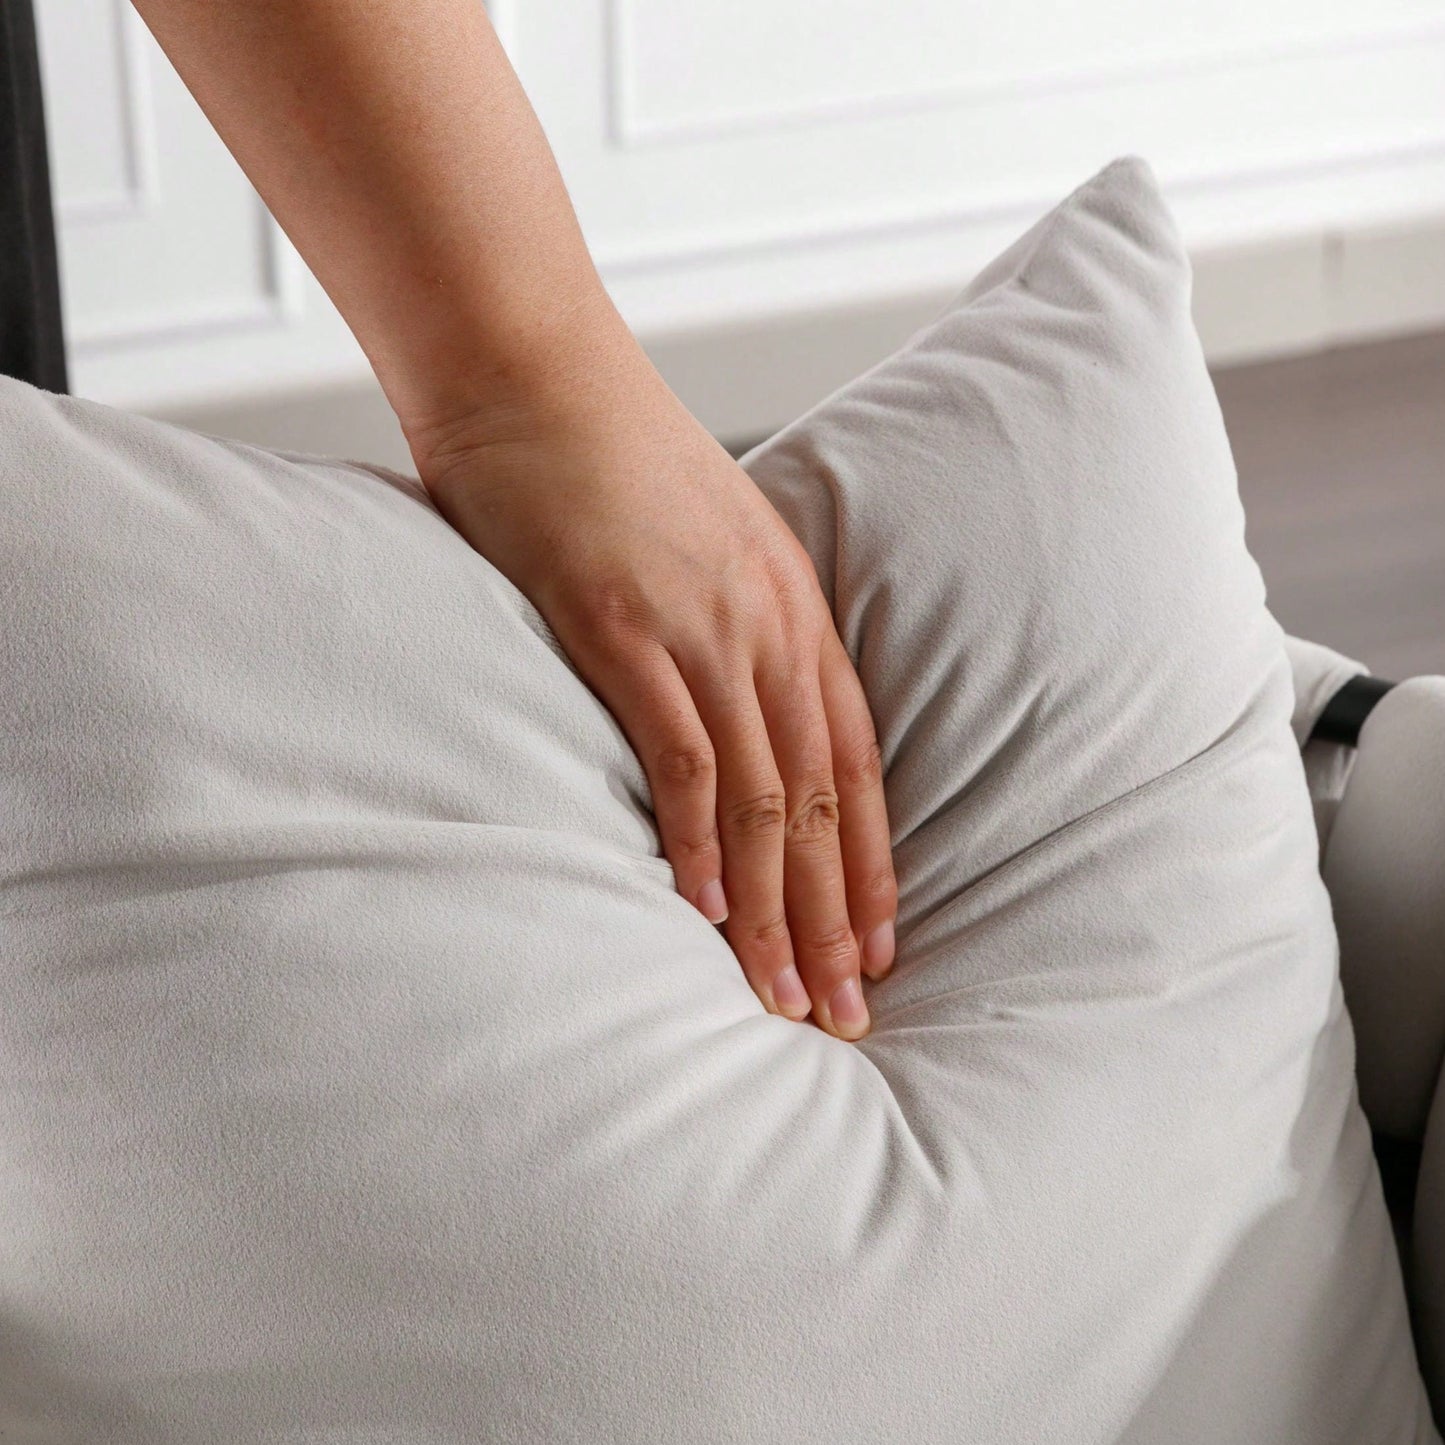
[[1342, 468]]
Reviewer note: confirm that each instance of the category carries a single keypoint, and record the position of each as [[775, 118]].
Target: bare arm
[[394, 143]]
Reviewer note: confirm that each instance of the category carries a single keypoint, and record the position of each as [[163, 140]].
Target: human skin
[[393, 142]]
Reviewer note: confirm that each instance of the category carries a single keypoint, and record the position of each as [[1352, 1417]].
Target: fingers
[[769, 799], [751, 813], [815, 893], [862, 810], [649, 698]]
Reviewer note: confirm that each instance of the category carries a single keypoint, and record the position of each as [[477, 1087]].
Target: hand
[[696, 616], [418, 184]]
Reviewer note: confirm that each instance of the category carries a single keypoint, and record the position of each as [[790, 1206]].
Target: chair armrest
[[1384, 864]]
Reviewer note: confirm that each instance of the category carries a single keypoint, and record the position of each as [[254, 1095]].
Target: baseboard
[[1281, 298]]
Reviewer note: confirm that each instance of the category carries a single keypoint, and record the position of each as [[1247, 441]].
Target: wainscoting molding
[[724, 204], [1291, 297], [136, 187], [630, 128]]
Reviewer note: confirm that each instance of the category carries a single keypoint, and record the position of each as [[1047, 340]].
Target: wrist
[[548, 374]]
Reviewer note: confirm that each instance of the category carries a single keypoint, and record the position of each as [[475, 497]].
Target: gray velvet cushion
[[363, 1080]]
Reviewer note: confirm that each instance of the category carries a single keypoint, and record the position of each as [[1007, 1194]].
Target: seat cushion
[[364, 1080]]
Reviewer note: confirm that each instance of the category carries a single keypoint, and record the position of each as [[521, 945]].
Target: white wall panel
[[101, 121], [161, 236], [733, 161], [750, 159], [696, 68]]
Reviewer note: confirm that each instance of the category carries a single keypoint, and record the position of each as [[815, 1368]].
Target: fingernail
[[789, 995], [878, 949], [849, 1012], [712, 901]]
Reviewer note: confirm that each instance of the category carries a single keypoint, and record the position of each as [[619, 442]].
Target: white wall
[[737, 161]]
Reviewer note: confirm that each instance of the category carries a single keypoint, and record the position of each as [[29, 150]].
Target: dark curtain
[[32, 346]]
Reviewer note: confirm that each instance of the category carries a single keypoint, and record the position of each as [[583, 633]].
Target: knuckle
[[618, 612], [834, 949], [728, 619], [759, 814], [686, 764], [805, 628], [696, 847], [879, 891], [814, 816], [769, 933], [861, 764], [796, 595], [789, 570]]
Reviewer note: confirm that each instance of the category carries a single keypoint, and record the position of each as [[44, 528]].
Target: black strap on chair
[[1346, 711]]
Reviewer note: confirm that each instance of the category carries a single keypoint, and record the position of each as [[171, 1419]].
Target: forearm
[[393, 142]]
